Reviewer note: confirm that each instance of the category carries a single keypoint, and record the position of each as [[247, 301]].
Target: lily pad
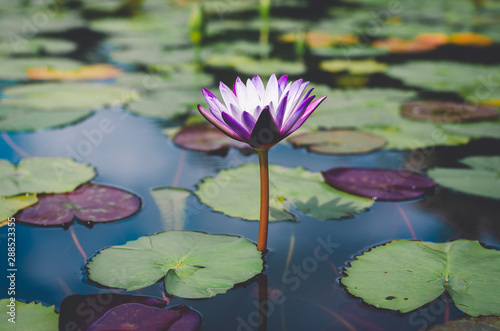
[[358, 67], [482, 179], [71, 317], [172, 204], [290, 190], [48, 105], [379, 184], [205, 138], [251, 66], [349, 51], [88, 72], [442, 111], [142, 317], [15, 69], [43, 175], [476, 130], [410, 274], [11, 205], [194, 264], [89, 202], [29, 316], [36, 45], [338, 142], [482, 323]]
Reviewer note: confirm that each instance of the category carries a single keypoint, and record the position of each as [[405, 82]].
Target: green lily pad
[[483, 323], [469, 80], [172, 203], [338, 142], [15, 68], [345, 51], [357, 108], [408, 134], [482, 179], [359, 67], [290, 190], [10, 206], [410, 274], [194, 264], [48, 105], [476, 130], [250, 66], [29, 316], [36, 46], [43, 175]]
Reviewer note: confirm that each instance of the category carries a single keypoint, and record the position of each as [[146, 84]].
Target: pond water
[[304, 290]]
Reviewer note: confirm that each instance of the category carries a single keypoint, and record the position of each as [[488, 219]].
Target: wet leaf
[[89, 72], [89, 202], [172, 204], [205, 138], [410, 274], [483, 178], [290, 190], [358, 67], [71, 308], [379, 184], [142, 317], [11, 205], [194, 264], [43, 175], [338, 142], [442, 111], [29, 316]]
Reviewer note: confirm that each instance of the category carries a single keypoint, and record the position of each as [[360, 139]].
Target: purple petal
[[312, 106], [259, 86], [271, 91], [236, 127], [241, 93], [280, 112], [215, 105], [381, 184], [219, 125], [228, 95], [282, 83], [295, 115], [248, 120]]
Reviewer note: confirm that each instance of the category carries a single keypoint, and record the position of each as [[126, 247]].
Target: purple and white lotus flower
[[260, 115]]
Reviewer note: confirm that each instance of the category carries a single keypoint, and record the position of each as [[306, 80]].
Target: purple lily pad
[[90, 203], [83, 312], [206, 138], [449, 112], [135, 316], [380, 184]]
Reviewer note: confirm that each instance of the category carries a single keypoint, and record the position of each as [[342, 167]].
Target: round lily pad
[[90, 203], [194, 264], [137, 316], [482, 179], [28, 316], [205, 138], [410, 274], [43, 175], [442, 111], [379, 184], [15, 68], [338, 142], [358, 67], [11, 205], [290, 190]]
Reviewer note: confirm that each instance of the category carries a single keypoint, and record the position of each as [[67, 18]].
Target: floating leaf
[[251, 66], [37, 45], [195, 264], [289, 190], [89, 202], [476, 130], [205, 138], [43, 175], [483, 179], [71, 307], [358, 67], [410, 274], [470, 39], [349, 51], [15, 69], [379, 184], [89, 72], [47, 105], [442, 111], [483, 323], [322, 39], [142, 317], [28, 316], [419, 44], [338, 142], [172, 204], [10, 206]]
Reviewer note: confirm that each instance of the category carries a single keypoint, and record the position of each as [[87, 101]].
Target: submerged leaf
[[483, 179], [290, 190], [410, 274], [43, 175], [89, 202], [379, 184], [172, 204], [194, 264]]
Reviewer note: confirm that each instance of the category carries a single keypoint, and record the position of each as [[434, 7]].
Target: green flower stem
[[264, 200]]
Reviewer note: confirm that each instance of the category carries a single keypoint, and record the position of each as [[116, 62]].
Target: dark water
[[136, 156]]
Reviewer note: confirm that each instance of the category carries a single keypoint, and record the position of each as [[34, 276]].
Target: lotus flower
[[260, 116]]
